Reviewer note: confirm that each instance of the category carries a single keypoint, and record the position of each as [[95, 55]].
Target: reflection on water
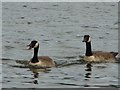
[[36, 76], [89, 70], [61, 75], [88, 75], [88, 67]]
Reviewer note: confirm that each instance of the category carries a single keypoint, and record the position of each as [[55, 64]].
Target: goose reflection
[[88, 69], [36, 75], [37, 71]]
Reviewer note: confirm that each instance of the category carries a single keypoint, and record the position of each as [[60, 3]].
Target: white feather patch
[[36, 45], [89, 39], [34, 64], [89, 58]]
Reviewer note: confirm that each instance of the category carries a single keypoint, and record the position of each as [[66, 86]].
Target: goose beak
[[29, 47], [83, 41]]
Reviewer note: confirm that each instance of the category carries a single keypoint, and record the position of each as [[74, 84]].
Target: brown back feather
[[104, 55], [46, 61]]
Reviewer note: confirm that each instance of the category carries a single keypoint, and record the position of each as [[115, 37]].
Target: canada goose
[[97, 56], [43, 61]]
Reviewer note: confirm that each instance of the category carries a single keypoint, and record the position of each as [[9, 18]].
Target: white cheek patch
[[117, 56], [89, 39], [36, 45]]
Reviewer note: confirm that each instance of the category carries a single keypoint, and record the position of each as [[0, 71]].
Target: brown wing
[[46, 61], [103, 55], [45, 58]]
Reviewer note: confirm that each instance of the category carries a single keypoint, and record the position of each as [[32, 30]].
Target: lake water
[[59, 28]]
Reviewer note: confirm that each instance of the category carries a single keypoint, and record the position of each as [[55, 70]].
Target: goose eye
[[86, 38], [33, 43]]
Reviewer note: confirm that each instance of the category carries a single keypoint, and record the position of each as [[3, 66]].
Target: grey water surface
[[59, 28]]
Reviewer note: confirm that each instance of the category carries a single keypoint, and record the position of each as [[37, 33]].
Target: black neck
[[88, 49], [35, 56]]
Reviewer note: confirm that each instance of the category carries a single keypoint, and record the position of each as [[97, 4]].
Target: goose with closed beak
[[97, 56], [42, 61]]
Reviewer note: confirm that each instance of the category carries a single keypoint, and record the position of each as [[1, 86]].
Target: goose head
[[86, 38], [33, 44]]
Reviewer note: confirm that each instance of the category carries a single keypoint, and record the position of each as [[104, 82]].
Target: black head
[[86, 38], [33, 44]]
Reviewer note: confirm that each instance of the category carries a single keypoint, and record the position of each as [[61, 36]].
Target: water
[[59, 27]]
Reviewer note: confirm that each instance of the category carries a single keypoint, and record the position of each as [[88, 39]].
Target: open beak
[[84, 40], [29, 47]]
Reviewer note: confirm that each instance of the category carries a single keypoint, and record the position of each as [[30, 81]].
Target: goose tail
[[114, 53], [117, 56]]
